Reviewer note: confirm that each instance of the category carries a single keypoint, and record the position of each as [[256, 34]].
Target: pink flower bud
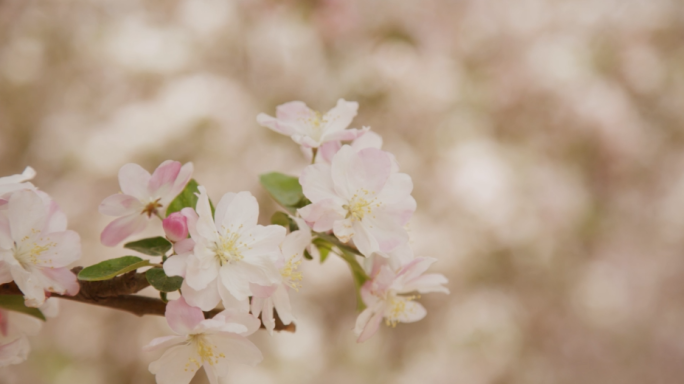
[[176, 227]]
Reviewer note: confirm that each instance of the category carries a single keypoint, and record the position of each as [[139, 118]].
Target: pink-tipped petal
[[183, 318], [370, 327], [179, 184], [163, 178], [60, 280], [123, 227]]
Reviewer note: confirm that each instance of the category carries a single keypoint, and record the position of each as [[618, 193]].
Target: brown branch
[[118, 293]]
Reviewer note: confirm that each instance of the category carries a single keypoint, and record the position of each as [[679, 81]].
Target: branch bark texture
[[119, 293]]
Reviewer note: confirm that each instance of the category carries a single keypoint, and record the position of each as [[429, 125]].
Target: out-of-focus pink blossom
[[176, 227], [198, 343], [36, 247], [360, 196], [143, 195], [309, 128], [384, 295]]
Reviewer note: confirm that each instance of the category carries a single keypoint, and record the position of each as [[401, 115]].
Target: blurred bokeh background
[[545, 140]]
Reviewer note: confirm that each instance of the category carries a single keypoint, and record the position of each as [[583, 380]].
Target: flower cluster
[[358, 194], [35, 250], [232, 275]]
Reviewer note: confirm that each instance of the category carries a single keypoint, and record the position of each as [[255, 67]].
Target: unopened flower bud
[[176, 227]]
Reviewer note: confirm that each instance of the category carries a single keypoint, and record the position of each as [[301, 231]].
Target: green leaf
[[307, 255], [158, 279], [284, 189], [324, 248], [284, 220], [185, 199], [111, 268], [16, 303], [153, 246]]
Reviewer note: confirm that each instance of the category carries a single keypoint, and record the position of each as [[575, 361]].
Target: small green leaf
[[154, 246], [158, 279], [284, 189], [324, 248], [284, 220], [111, 268], [307, 255], [185, 199], [16, 303]]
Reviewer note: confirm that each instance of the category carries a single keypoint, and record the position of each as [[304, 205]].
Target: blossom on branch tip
[[231, 251], [143, 195], [36, 247], [310, 128], [200, 342], [361, 196], [385, 294]]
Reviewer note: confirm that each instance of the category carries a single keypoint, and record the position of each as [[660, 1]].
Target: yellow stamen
[[289, 274]]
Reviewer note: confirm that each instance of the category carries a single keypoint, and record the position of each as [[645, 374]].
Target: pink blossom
[[385, 295], [360, 196], [309, 128], [198, 343], [143, 195], [176, 227], [36, 247]]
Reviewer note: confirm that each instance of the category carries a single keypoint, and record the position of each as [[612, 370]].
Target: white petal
[[133, 180], [317, 183], [176, 265], [341, 115], [14, 352], [242, 211], [163, 342], [57, 249], [29, 284], [198, 272], [205, 223], [413, 312], [27, 215], [234, 348], [120, 205], [205, 299], [368, 140], [177, 365], [281, 301], [235, 282]]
